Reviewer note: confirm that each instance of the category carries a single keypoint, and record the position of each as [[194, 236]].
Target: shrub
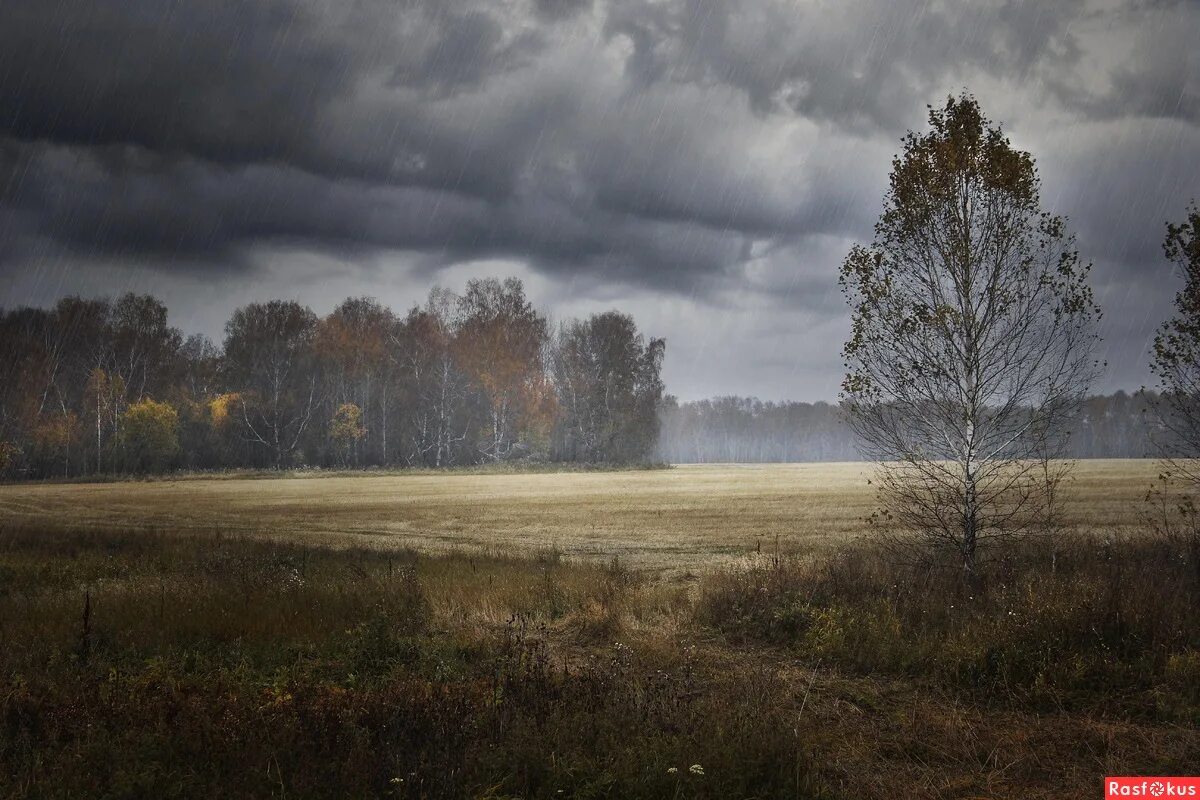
[[1072, 625], [148, 438]]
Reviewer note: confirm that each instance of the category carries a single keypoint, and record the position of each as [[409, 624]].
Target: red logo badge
[[1164, 787]]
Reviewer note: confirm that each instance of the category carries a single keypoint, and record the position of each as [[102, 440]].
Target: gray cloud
[[861, 65], [723, 154]]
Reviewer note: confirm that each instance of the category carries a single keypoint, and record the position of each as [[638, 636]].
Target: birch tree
[[500, 340], [144, 348], [269, 359], [609, 384], [973, 328], [435, 390], [351, 345]]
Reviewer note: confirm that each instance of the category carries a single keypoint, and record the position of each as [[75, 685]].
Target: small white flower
[[696, 769], [672, 770]]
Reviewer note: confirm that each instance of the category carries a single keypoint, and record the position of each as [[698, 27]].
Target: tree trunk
[[383, 421], [970, 534], [97, 431], [970, 530]]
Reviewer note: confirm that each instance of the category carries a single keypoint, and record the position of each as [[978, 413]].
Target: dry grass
[[211, 665], [684, 519], [493, 635]]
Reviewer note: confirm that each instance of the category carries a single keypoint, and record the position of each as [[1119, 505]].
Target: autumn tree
[[972, 334], [197, 383], [352, 346], [461, 379], [436, 393], [199, 369], [607, 377], [269, 361], [223, 433], [83, 334], [53, 434], [499, 342], [104, 405], [38, 392], [144, 347], [22, 374], [148, 440], [10, 455], [346, 430]]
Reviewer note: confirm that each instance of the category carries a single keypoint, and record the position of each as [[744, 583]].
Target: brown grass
[[214, 665], [688, 518], [578, 635]]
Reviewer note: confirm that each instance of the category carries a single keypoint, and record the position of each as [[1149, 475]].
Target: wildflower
[[672, 770], [696, 769], [397, 780]]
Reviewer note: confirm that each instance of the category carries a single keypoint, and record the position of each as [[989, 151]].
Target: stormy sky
[[703, 165]]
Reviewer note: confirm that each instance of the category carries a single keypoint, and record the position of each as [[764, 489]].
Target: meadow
[[686, 518], [583, 635]]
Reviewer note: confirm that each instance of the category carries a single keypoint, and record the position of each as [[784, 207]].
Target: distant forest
[[93, 386], [98, 386], [745, 429]]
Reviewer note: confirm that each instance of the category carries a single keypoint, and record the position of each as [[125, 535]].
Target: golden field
[[409, 635], [681, 519]]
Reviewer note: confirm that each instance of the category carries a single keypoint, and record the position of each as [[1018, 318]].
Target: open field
[[207, 665], [421, 636], [685, 518]]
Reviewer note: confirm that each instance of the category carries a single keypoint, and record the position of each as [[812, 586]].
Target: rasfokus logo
[[1152, 787]]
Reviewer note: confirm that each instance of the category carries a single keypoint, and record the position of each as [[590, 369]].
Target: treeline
[[748, 430], [97, 386]]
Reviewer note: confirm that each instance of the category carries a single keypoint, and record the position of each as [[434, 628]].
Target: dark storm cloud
[[858, 64], [181, 127], [230, 83], [337, 90], [187, 208], [719, 151]]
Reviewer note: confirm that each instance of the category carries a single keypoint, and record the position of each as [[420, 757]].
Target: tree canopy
[[972, 336], [93, 386]]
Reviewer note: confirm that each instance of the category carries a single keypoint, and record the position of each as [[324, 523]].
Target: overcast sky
[[703, 165]]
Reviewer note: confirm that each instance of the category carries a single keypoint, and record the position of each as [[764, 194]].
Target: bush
[[1077, 625], [148, 438]]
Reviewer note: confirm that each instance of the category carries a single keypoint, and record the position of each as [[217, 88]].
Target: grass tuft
[[1107, 626]]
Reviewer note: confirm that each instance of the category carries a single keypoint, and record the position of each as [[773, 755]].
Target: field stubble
[[685, 519]]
